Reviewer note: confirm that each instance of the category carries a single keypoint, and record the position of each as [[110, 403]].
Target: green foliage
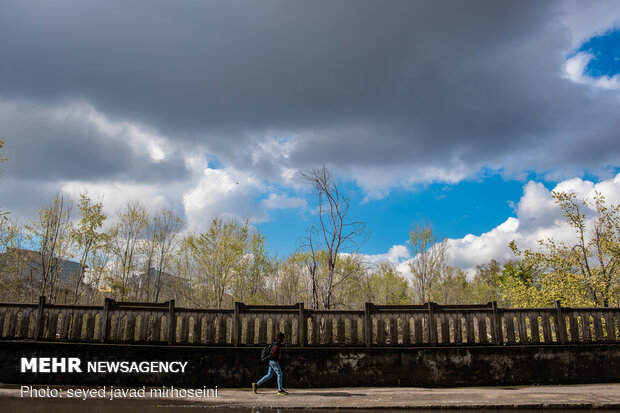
[[486, 284], [429, 260], [2, 156], [349, 275], [583, 273], [229, 264], [387, 286], [249, 286], [126, 234], [88, 240], [165, 229], [452, 287], [12, 263], [289, 284], [51, 232], [3, 214]]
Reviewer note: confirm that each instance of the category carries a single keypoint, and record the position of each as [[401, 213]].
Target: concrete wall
[[329, 367]]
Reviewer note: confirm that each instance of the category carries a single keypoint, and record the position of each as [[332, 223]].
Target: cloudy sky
[[463, 113]]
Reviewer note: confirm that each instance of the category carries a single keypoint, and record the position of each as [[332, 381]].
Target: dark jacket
[[276, 351]]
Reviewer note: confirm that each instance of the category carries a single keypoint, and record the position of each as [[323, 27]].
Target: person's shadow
[[330, 394]]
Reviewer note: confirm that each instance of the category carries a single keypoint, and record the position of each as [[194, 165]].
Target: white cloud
[[377, 182], [536, 207], [276, 201], [115, 194], [207, 194], [395, 255], [575, 71], [225, 191], [398, 255], [538, 217], [587, 19]]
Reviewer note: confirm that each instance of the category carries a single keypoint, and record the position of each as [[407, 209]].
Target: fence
[[246, 325]]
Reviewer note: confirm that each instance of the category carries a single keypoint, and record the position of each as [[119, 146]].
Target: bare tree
[[334, 232]]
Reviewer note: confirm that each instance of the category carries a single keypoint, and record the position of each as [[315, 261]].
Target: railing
[[250, 325]]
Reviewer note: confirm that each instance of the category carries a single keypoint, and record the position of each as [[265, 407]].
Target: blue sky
[[606, 51], [454, 211]]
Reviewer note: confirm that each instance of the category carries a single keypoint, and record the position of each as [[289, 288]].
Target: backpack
[[265, 354]]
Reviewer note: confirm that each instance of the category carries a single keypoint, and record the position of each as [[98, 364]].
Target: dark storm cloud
[[64, 144], [355, 83]]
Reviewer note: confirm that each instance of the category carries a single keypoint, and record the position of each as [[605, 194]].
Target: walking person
[[274, 356]]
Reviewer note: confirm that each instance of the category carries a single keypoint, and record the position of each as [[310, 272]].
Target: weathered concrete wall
[[329, 367]]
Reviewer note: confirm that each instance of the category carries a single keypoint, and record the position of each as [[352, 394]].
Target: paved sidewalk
[[604, 396]]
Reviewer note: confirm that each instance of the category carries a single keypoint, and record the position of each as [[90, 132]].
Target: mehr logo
[[72, 365], [51, 365]]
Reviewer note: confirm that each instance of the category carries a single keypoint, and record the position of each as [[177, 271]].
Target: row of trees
[[74, 253]]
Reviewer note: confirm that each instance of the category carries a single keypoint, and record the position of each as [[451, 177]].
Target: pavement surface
[[590, 396]]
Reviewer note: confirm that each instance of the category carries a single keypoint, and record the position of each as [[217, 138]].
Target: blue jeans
[[274, 366]]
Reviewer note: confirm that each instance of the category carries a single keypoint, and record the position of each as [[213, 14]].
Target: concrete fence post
[[302, 326], [561, 323], [432, 324], [236, 324], [497, 324], [172, 323], [367, 324], [104, 319], [38, 328]]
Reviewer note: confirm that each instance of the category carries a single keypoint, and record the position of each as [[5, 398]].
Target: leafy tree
[[290, 283], [160, 238], [486, 284], [386, 286], [429, 260], [455, 286], [452, 287], [52, 233], [99, 268], [167, 227], [13, 270], [2, 158], [250, 285], [187, 284], [219, 255], [584, 273], [88, 239], [3, 214], [348, 283], [127, 234]]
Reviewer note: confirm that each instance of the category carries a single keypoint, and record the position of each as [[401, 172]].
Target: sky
[[462, 114]]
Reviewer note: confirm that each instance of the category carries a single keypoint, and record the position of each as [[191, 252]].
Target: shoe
[[282, 393], [255, 388]]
